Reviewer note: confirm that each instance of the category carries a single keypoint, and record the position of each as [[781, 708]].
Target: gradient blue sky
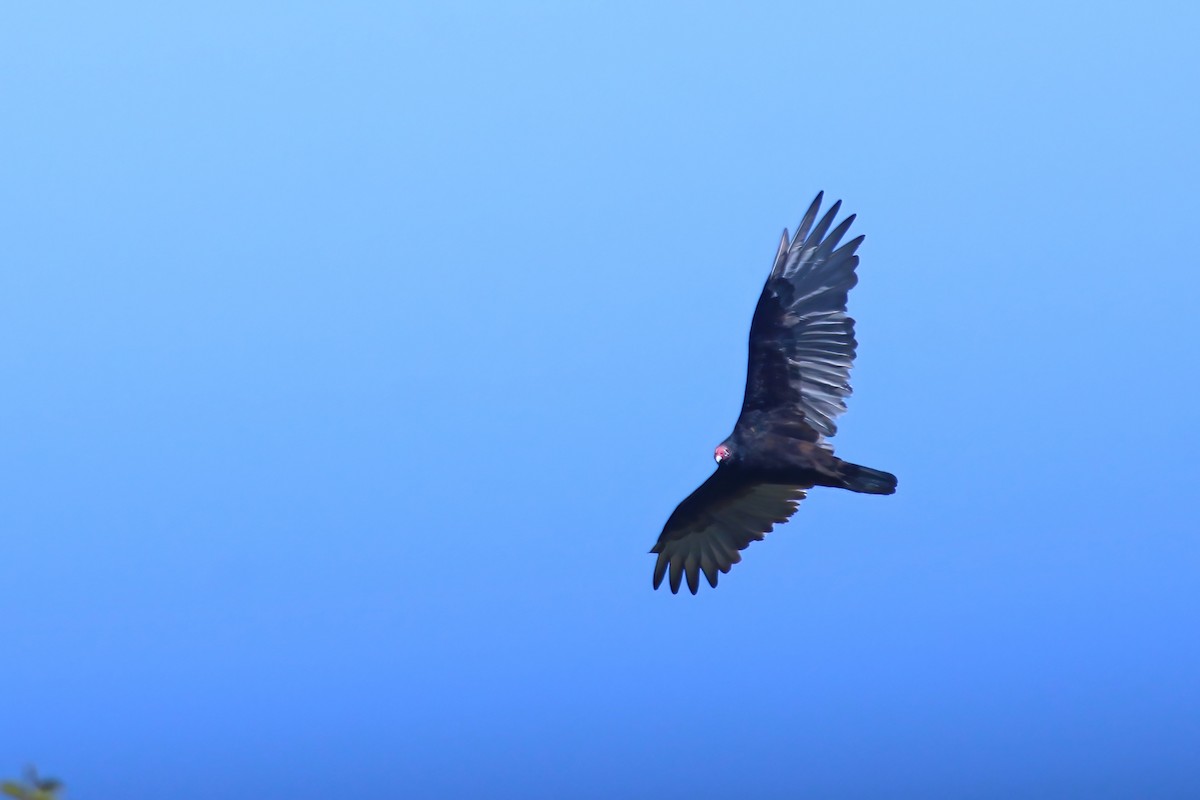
[[354, 355]]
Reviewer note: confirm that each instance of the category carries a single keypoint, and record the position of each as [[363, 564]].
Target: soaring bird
[[801, 349]]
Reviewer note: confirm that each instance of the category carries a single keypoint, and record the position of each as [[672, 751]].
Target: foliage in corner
[[33, 787]]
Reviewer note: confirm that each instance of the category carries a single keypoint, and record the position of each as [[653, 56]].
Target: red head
[[721, 453]]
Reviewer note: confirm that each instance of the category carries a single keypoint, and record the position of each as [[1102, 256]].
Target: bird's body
[[789, 453], [801, 349]]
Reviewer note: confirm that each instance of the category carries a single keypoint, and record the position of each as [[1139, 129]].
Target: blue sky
[[356, 354]]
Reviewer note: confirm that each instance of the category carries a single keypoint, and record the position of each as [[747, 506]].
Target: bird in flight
[[798, 377]]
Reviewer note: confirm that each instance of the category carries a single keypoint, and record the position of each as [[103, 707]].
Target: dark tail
[[869, 481]]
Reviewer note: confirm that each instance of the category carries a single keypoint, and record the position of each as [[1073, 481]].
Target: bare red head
[[721, 453]]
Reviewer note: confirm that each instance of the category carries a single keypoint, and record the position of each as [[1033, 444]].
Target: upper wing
[[801, 340], [723, 516]]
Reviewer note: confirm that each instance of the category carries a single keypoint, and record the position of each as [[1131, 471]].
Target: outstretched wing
[[723, 516], [801, 340]]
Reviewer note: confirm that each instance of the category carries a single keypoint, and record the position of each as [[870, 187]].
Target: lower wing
[[724, 515]]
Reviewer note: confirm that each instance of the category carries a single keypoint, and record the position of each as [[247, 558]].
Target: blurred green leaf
[[32, 788]]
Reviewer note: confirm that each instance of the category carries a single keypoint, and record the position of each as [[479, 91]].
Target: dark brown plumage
[[801, 349]]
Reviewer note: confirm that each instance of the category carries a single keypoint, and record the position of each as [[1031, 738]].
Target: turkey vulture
[[801, 348]]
